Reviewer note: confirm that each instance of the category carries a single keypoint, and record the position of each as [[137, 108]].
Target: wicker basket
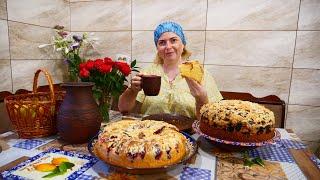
[[33, 115]]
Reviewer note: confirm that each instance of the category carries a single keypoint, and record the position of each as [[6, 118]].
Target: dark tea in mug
[[151, 85]]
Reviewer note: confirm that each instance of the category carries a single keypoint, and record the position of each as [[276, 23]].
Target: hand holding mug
[[136, 82], [151, 84]]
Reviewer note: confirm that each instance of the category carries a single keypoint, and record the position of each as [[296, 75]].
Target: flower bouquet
[[109, 77], [70, 48]]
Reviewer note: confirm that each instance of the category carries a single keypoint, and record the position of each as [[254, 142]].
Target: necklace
[[171, 75]]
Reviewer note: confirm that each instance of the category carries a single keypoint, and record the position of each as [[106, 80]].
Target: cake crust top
[[147, 143], [242, 115]]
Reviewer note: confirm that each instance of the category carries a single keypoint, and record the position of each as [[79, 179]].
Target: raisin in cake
[[141, 144], [237, 120], [192, 69]]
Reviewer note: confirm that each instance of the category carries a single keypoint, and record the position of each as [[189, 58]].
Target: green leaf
[[55, 172], [97, 94], [133, 63], [258, 161], [61, 169], [69, 165], [248, 163], [113, 79], [245, 154]]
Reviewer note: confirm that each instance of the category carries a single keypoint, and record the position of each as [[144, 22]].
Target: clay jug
[[78, 118]]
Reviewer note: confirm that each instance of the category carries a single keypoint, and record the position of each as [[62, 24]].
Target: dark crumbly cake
[[237, 120]]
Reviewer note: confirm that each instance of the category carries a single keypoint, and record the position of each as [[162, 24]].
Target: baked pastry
[[141, 144], [237, 120], [192, 69]]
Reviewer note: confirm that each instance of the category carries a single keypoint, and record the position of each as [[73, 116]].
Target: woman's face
[[170, 47]]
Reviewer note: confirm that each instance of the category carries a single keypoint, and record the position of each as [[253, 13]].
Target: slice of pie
[[192, 69]]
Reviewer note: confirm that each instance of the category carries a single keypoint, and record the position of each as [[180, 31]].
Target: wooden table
[[209, 163]]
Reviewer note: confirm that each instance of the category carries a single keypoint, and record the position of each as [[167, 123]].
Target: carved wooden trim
[[271, 99], [44, 88]]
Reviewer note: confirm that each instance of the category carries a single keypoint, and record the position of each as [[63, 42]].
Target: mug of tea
[[151, 84]]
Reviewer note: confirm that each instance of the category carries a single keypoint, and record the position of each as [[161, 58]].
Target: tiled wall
[[259, 46]]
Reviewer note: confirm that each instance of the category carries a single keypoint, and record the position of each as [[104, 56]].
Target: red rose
[[123, 67], [98, 63], [105, 68], [89, 65], [82, 66], [84, 73], [108, 61]]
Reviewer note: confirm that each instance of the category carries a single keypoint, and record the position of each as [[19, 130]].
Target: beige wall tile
[[40, 12], [110, 44], [195, 43], [191, 14], [25, 39], [307, 53], [81, 0], [258, 81], [252, 15], [309, 18], [305, 122], [250, 48], [101, 15], [143, 65], [5, 74], [23, 72], [144, 49], [3, 9], [305, 87], [4, 41]]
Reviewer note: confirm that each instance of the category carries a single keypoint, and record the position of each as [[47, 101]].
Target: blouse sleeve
[[140, 97], [213, 92]]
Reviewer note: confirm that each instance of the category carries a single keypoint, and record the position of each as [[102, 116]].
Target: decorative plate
[[183, 123], [149, 170], [196, 127], [27, 170]]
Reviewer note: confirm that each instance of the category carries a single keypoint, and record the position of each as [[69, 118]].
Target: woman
[[177, 95]]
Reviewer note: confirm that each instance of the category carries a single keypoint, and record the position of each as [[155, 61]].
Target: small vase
[[105, 103]]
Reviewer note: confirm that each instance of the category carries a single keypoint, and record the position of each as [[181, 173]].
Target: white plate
[[26, 170]]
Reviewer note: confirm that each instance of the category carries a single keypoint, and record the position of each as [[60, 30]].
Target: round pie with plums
[[237, 120], [141, 144]]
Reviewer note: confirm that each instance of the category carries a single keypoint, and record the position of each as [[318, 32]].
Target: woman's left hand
[[197, 91]]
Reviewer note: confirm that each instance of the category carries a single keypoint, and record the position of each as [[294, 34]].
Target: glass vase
[[105, 103]]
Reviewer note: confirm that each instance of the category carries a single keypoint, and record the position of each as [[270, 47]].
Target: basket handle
[[49, 79]]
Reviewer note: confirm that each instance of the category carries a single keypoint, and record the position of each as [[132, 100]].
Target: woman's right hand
[[127, 100], [136, 83]]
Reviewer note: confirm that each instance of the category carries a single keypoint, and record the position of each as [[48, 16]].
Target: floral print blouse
[[175, 97]]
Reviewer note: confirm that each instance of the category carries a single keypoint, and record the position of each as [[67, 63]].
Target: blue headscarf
[[169, 27]]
